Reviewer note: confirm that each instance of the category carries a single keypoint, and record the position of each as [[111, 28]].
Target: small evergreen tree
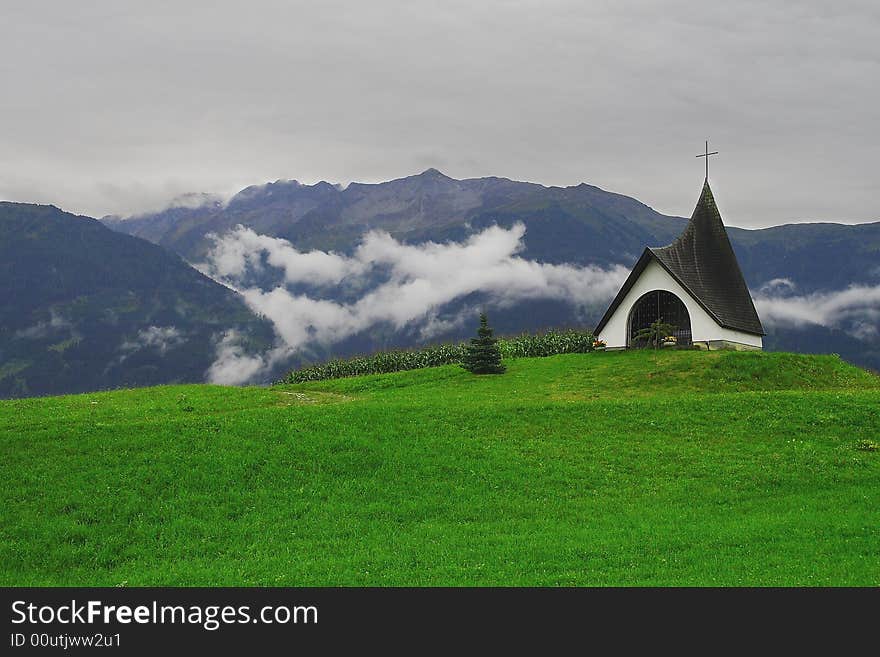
[[656, 333], [482, 355]]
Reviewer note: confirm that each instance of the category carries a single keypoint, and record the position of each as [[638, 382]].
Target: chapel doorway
[[663, 305]]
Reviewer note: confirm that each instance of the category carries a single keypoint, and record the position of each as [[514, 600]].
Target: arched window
[[663, 305]]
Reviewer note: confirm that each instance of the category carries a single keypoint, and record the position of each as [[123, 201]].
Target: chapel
[[694, 284]]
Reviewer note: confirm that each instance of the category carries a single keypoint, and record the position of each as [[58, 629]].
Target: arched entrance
[[663, 305]]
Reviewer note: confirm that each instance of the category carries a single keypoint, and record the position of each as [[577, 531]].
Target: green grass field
[[636, 468]]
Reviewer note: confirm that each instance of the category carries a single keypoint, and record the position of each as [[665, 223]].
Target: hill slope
[[618, 468], [83, 307]]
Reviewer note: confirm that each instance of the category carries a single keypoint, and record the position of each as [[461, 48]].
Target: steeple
[[703, 261]]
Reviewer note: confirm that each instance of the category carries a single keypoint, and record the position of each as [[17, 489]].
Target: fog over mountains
[[321, 270]]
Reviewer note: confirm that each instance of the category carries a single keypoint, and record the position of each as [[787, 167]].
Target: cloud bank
[[855, 310], [241, 250], [414, 283]]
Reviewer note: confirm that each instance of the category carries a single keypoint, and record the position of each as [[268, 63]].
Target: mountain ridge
[[83, 308], [419, 207]]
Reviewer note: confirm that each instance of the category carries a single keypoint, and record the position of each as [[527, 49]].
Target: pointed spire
[[703, 261]]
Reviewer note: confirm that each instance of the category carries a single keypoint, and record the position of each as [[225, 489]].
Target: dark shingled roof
[[703, 262]]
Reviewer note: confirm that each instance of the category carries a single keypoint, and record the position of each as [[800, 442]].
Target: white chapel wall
[[703, 327]]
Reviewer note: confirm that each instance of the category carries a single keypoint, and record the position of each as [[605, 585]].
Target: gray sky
[[117, 106]]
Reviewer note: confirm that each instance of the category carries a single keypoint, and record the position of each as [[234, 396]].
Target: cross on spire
[[706, 155]]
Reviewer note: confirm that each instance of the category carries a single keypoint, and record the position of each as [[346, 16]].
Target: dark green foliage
[[76, 299], [482, 355], [654, 334], [547, 344], [523, 346], [381, 363]]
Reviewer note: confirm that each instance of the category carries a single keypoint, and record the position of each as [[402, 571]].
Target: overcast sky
[[117, 106]]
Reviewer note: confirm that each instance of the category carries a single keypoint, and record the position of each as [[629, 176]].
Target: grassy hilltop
[[652, 468]]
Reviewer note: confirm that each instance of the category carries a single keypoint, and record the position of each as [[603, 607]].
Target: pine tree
[[482, 355]]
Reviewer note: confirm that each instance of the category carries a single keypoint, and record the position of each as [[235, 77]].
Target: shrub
[[655, 334], [523, 346]]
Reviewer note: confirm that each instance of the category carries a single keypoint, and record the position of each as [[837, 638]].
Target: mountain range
[[87, 307], [808, 264], [582, 225]]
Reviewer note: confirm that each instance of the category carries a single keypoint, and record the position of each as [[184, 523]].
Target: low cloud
[[135, 200], [417, 282], [241, 250], [158, 338], [234, 366], [777, 287], [42, 329], [855, 310]]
